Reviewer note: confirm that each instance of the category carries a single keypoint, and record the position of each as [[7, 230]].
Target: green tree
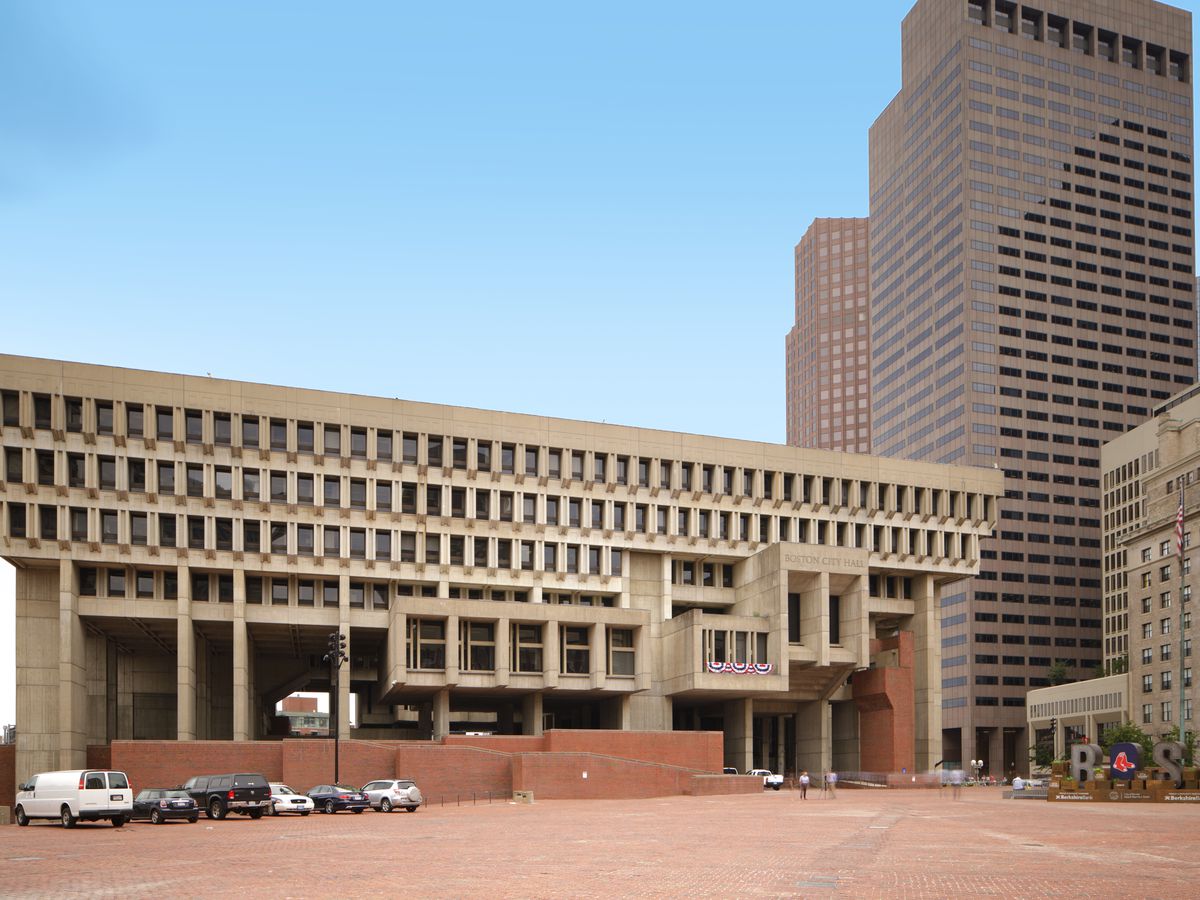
[[1131, 734], [1058, 672]]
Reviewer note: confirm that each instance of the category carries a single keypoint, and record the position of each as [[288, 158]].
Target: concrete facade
[[1148, 606], [185, 546], [1065, 714], [829, 347], [1032, 295]]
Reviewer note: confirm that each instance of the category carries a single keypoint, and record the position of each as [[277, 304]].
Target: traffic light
[[337, 648], [1054, 723]]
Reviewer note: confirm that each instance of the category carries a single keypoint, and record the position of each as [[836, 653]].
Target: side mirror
[[23, 787]]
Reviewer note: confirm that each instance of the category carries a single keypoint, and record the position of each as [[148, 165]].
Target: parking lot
[[863, 844]]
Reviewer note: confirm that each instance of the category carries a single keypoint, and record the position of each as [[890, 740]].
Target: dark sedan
[[332, 798], [160, 804]]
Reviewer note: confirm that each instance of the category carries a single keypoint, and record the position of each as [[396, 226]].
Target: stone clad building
[[185, 546]]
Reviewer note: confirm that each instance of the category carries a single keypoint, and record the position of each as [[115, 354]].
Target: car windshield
[[404, 784], [282, 789], [182, 794], [148, 795], [117, 780], [346, 787], [249, 781]]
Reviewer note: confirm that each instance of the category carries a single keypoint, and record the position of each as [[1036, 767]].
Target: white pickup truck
[[770, 780]]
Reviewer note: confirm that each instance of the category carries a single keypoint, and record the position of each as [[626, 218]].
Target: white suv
[[393, 794]]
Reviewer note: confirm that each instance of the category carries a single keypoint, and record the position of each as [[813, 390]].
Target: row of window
[[472, 454], [255, 536], [1081, 38], [284, 591]]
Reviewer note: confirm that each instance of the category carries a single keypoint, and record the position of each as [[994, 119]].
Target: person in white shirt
[[1018, 783]]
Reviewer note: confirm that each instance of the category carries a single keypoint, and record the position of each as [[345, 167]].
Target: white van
[[86, 794]]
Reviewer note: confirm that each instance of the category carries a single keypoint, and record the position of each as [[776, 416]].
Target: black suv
[[217, 795]]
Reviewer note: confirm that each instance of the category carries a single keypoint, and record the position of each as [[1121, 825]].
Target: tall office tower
[[828, 349], [1032, 296]]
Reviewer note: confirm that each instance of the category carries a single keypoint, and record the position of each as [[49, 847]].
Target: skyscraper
[[1032, 296], [829, 347]]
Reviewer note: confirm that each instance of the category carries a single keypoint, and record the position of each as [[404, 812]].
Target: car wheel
[[305, 812], [410, 809], [385, 805], [155, 817], [356, 810], [778, 786], [68, 820], [329, 808], [118, 821], [192, 820], [216, 810], [256, 813], [22, 819]]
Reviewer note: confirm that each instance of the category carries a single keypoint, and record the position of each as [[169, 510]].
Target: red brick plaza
[[863, 844]]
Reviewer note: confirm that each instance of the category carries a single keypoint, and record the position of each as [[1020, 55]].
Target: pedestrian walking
[[831, 781], [804, 785], [956, 781]]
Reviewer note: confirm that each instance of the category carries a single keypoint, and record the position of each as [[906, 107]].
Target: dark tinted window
[[249, 781], [117, 780]]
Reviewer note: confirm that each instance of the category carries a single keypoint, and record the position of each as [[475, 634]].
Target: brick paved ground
[[864, 844]]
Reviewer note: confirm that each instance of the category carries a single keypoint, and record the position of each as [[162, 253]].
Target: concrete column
[[814, 615], [503, 652], [739, 734], [242, 700], [185, 660], [995, 753], [814, 737], [531, 714], [343, 685], [72, 673], [550, 651], [452, 650], [927, 675], [855, 624], [780, 733], [441, 713], [597, 664]]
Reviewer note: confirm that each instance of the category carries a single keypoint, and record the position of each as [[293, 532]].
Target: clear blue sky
[[579, 211]]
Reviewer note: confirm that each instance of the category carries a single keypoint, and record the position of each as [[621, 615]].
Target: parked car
[[161, 804], [332, 798], [393, 793], [730, 770], [71, 796], [285, 800], [219, 795], [770, 779]]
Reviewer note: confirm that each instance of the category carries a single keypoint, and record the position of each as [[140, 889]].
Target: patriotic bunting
[[733, 668]]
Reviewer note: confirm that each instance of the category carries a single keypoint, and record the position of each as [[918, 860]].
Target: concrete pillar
[[927, 676], [531, 714], [994, 757], [441, 714], [452, 650], [550, 653], [243, 702], [814, 615], [72, 673], [597, 664], [739, 734], [185, 661], [503, 652], [855, 624], [780, 733], [814, 737], [343, 685]]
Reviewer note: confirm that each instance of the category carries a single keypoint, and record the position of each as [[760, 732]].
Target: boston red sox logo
[[1124, 759], [1122, 764]]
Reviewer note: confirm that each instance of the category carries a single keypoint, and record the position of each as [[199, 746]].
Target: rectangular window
[[250, 426], [527, 648], [575, 656]]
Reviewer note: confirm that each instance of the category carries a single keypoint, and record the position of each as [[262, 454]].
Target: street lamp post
[[977, 767], [336, 656]]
